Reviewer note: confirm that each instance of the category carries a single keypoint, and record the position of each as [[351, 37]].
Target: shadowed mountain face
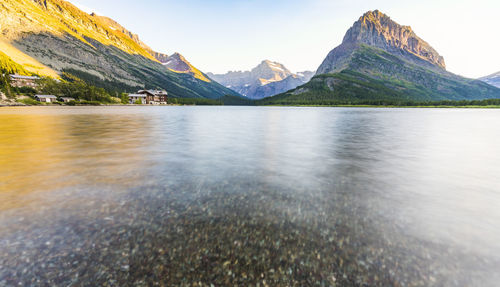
[[53, 36], [267, 79], [380, 60], [492, 79]]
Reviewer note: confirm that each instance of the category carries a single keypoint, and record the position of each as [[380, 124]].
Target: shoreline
[[391, 107], [102, 105], [290, 106]]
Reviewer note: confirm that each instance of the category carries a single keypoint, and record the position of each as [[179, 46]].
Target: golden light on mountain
[[53, 37]]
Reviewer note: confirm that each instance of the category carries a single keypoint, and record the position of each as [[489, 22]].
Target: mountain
[[377, 30], [267, 79], [53, 38], [380, 60], [493, 80], [177, 63]]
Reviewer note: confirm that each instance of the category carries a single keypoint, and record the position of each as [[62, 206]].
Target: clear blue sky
[[221, 35]]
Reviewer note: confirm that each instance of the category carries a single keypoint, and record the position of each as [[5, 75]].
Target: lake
[[249, 196]]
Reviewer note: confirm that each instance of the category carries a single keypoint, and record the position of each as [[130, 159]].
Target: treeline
[[230, 100], [488, 102], [227, 100], [389, 103], [194, 102]]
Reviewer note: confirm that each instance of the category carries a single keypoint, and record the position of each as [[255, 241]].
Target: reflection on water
[[244, 195], [51, 151]]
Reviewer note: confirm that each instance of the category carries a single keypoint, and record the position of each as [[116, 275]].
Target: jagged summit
[[378, 30], [269, 71]]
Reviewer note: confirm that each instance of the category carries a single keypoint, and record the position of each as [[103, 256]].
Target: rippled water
[[193, 196]]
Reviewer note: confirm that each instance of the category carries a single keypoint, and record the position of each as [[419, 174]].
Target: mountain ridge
[[113, 25], [266, 79]]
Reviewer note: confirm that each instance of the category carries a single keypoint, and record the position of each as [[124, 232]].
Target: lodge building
[[149, 97], [19, 81], [46, 98]]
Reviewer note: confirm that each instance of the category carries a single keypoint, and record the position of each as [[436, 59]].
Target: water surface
[[194, 196]]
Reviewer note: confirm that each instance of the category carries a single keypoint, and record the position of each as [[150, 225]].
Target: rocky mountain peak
[[381, 22], [378, 30], [177, 63], [178, 56], [269, 71], [375, 16]]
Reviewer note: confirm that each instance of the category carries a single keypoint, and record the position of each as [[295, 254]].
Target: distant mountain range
[[267, 79], [493, 80], [380, 60], [53, 38]]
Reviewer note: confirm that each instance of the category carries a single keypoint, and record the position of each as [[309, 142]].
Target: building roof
[[24, 77], [67, 98], [45, 96], [153, 92], [137, 95]]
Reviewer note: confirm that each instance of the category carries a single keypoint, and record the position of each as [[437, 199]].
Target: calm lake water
[[249, 196]]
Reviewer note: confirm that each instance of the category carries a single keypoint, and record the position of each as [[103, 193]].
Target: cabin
[[155, 97], [46, 98], [67, 99], [135, 98], [19, 81]]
